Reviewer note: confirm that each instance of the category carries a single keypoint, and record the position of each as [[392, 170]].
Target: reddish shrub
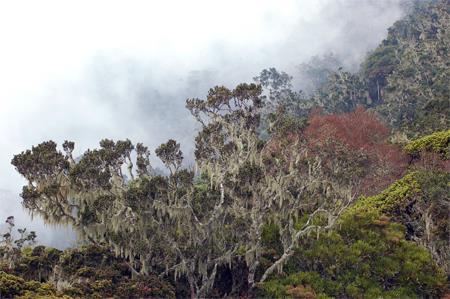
[[358, 130], [358, 143]]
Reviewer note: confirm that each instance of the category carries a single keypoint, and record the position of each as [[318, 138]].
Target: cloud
[[56, 236], [123, 69]]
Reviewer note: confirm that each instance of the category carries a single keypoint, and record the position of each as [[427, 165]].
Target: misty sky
[[88, 70]]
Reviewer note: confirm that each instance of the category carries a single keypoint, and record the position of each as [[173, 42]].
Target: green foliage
[[282, 123], [43, 160], [43, 290], [282, 288], [399, 192], [86, 272], [420, 202], [170, 154], [98, 274], [175, 225], [381, 62], [271, 237], [37, 263], [10, 285], [438, 142], [10, 247], [92, 261], [369, 255]]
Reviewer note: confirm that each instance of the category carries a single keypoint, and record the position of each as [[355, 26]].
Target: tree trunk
[[378, 92], [193, 295], [251, 274], [192, 287]]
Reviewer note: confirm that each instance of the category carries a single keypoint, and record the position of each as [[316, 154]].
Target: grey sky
[[86, 70]]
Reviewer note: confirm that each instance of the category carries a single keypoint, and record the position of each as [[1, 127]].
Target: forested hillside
[[342, 191], [405, 79]]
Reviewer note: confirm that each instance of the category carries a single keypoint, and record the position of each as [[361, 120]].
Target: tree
[[10, 247], [278, 91], [314, 74], [189, 224], [262, 185], [149, 219], [357, 142], [342, 92]]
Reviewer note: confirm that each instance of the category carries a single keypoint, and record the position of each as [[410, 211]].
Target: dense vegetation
[[87, 272], [370, 254], [339, 192], [405, 78]]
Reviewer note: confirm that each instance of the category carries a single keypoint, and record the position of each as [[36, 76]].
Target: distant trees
[[342, 92], [410, 71], [314, 74], [405, 79], [279, 94]]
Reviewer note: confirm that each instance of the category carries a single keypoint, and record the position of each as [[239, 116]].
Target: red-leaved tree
[[358, 143]]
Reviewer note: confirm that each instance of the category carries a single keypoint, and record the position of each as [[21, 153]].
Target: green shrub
[[368, 255], [438, 142], [399, 192], [11, 285]]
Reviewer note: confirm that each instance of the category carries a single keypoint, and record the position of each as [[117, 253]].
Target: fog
[[87, 70]]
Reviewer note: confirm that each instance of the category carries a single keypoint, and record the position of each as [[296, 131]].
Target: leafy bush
[[37, 263], [419, 201], [88, 272], [369, 254], [438, 142], [10, 285]]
